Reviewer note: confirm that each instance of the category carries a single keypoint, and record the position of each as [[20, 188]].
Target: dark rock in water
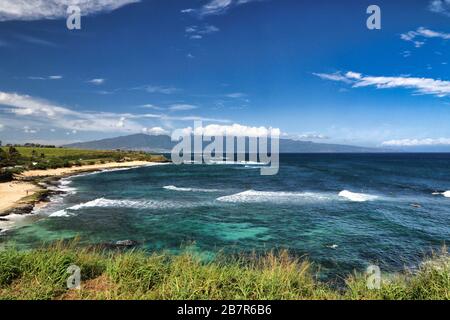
[[126, 243], [23, 209], [3, 219]]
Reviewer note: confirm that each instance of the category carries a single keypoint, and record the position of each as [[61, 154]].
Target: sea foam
[[252, 196], [109, 203], [357, 197], [174, 188]]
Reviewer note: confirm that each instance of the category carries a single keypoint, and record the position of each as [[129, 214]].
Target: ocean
[[341, 211]]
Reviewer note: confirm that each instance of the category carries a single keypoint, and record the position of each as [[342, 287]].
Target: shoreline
[[31, 188]]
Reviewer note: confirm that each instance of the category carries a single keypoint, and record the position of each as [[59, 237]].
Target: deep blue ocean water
[[343, 211]]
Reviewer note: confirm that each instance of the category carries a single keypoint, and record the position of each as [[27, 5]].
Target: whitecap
[[109, 203], [60, 213], [174, 188], [445, 194], [357, 197], [11, 220], [252, 196]]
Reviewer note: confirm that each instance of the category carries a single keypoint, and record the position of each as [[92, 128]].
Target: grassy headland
[[16, 159], [25, 170], [42, 274]]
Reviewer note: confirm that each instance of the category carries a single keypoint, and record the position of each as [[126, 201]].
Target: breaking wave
[[174, 188], [357, 197], [108, 203], [251, 196]]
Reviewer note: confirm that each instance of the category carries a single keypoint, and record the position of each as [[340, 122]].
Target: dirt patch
[[99, 288]]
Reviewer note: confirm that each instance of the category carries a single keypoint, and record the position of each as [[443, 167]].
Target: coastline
[[30, 188]]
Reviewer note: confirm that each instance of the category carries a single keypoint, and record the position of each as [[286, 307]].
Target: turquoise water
[[342, 211]]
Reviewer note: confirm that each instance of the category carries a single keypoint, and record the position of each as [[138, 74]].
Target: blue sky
[[310, 68]]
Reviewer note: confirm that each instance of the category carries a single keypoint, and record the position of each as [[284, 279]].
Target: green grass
[[77, 154], [41, 274], [29, 158]]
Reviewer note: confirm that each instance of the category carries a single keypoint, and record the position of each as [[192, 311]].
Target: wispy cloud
[[417, 37], [55, 77], [436, 87], [417, 142], [158, 89], [310, 136], [440, 6], [24, 109], [236, 95], [216, 7], [196, 32], [34, 40], [97, 81], [182, 107], [54, 9], [150, 106]]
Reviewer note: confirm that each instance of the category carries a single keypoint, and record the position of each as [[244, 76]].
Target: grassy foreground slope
[[42, 274]]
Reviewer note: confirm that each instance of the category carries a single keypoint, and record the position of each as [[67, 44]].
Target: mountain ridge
[[164, 144]]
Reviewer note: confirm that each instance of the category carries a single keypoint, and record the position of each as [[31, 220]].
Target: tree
[[3, 155], [13, 152]]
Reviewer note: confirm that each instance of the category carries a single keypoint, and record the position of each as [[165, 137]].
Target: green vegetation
[[41, 274], [15, 159]]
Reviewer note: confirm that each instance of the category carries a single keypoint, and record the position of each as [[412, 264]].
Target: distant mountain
[[141, 142], [164, 144]]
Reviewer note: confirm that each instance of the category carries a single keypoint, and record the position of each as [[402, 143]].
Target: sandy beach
[[11, 193]]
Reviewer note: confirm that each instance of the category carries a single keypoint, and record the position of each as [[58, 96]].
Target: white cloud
[[417, 37], [311, 136], [216, 7], [97, 81], [182, 107], [55, 77], [333, 77], [440, 6], [235, 130], [121, 122], [236, 95], [23, 110], [206, 29], [55, 9], [196, 32], [49, 114], [159, 89], [27, 129], [417, 142], [436, 87], [150, 106], [155, 131]]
